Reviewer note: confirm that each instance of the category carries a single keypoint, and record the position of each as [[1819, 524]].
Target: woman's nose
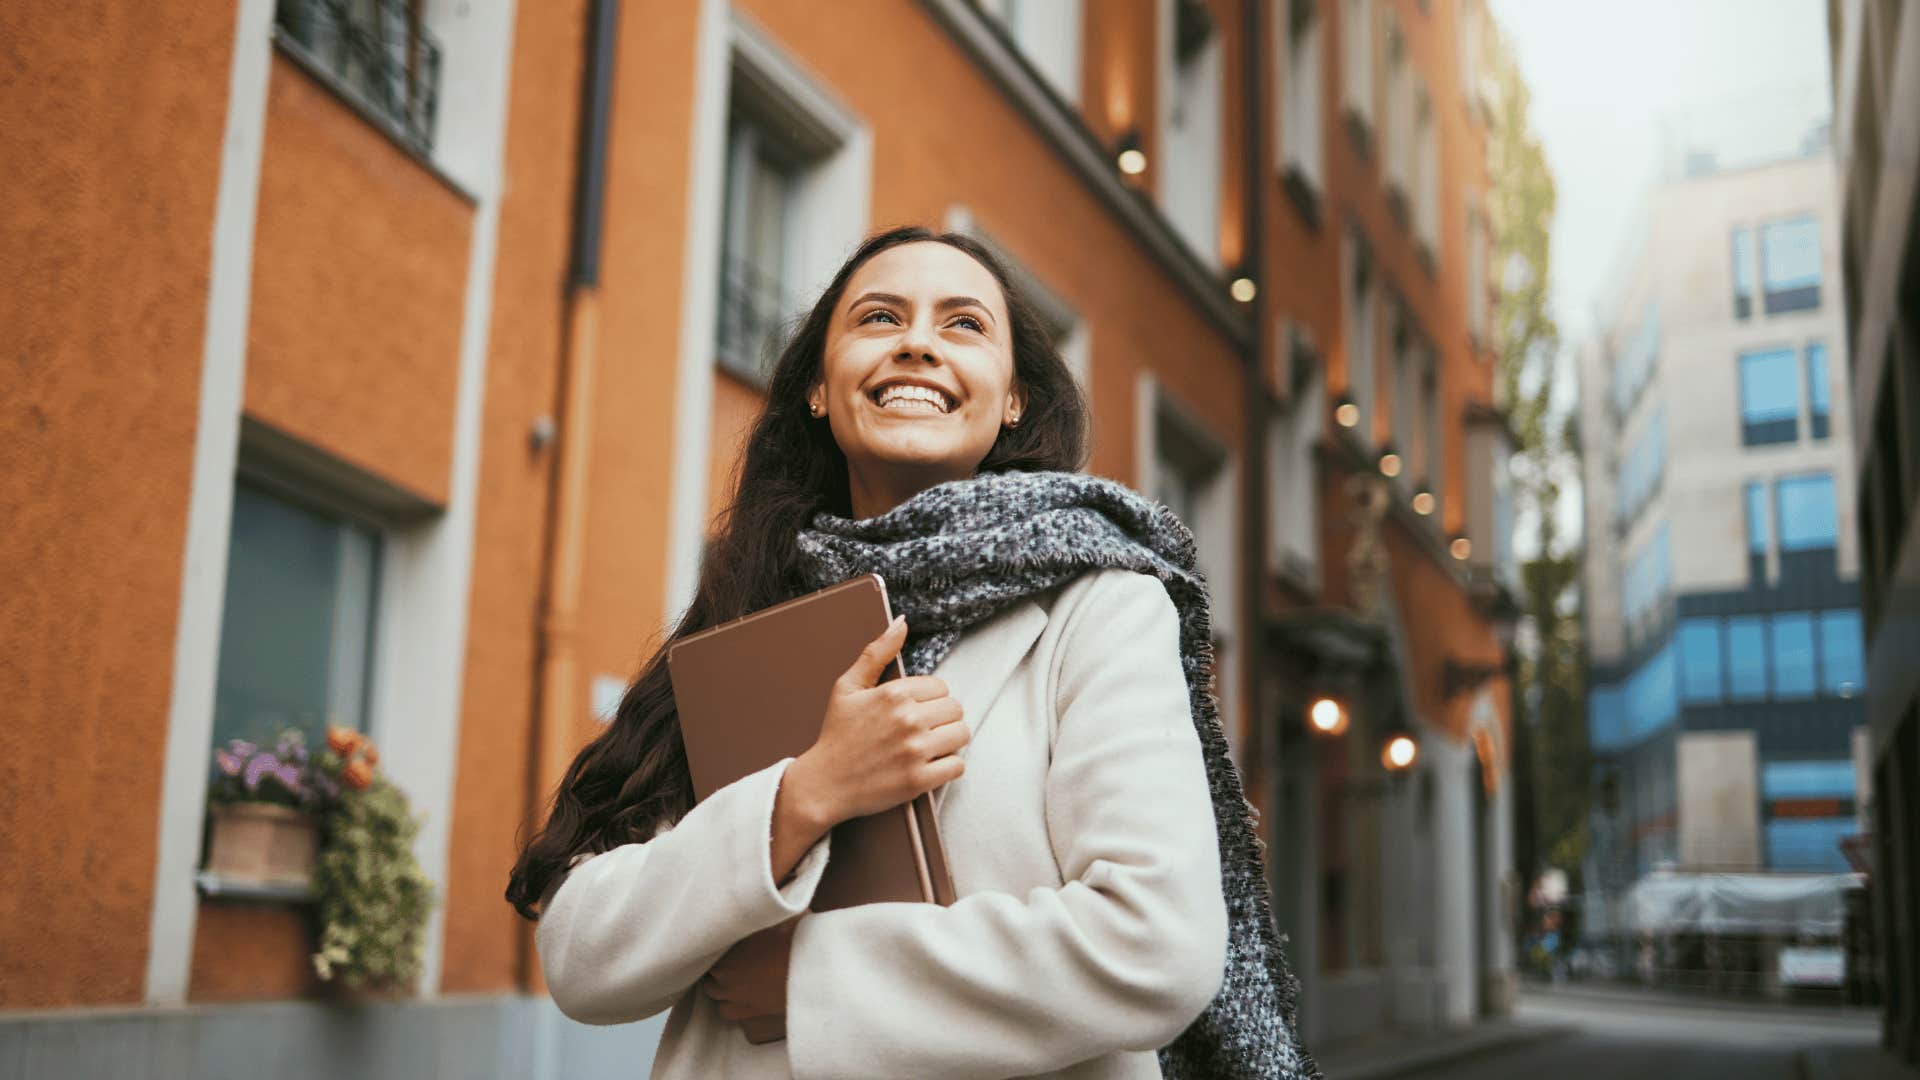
[[917, 342]]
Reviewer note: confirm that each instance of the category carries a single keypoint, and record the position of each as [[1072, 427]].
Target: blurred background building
[[1723, 597], [1875, 49], [384, 363]]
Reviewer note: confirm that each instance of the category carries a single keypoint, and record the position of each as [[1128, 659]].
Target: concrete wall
[[1719, 792]]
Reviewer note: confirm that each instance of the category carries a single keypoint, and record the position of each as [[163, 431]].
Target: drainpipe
[[556, 704]]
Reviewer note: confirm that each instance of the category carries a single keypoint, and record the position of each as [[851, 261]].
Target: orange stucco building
[[390, 373]]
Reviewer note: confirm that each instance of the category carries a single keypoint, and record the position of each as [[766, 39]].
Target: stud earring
[[815, 410]]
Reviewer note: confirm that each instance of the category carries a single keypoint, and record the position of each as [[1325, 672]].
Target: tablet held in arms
[[754, 690]]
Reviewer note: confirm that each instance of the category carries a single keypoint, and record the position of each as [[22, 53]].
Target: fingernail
[[897, 620]]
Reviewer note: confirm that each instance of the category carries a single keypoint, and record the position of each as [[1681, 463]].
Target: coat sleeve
[[629, 930], [1124, 955]]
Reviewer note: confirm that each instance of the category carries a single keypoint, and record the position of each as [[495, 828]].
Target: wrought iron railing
[[753, 307], [381, 52]]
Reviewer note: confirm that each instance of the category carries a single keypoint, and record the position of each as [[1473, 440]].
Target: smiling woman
[[1111, 917]]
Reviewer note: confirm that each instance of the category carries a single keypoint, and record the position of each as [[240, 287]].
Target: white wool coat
[[1090, 927]]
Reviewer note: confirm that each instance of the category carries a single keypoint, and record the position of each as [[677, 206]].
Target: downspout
[[556, 705]]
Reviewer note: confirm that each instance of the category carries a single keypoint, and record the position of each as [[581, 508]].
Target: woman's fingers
[[920, 687], [947, 738], [865, 671]]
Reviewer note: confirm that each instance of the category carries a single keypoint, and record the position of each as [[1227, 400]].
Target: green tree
[[1550, 744]]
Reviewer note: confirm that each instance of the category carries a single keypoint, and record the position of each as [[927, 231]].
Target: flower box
[[262, 843]]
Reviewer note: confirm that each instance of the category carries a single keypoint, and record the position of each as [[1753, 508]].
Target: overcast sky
[[1621, 90]]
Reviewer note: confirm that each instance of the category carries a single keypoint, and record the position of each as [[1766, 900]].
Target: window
[[1476, 272], [1647, 578], [1700, 660], [1807, 517], [1742, 272], [1819, 393], [1193, 124], [1047, 33], [1790, 261], [1356, 34], [1396, 128], [1808, 844], [296, 636], [1634, 365], [1842, 671], [1792, 656], [755, 293], [1426, 178], [1406, 427], [1606, 718], [1362, 316], [1652, 695], [1806, 780], [379, 50], [1293, 521], [1299, 110], [1757, 534], [1769, 397], [1433, 464], [1641, 473], [1747, 658]]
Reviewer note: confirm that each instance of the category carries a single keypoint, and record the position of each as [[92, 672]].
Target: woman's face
[[917, 379]]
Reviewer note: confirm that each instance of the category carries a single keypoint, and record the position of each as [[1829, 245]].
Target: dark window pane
[[1747, 658], [1742, 272], [1819, 394], [1809, 844], [1757, 517], [1793, 656]]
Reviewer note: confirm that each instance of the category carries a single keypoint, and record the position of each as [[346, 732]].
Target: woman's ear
[[817, 399], [1016, 406]]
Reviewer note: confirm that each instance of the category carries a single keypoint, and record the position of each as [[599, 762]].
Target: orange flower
[[342, 740], [358, 775], [373, 756]]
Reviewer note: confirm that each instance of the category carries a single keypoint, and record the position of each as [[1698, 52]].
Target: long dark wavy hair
[[633, 778]]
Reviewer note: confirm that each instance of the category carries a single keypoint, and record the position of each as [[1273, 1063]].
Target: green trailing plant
[[373, 898]]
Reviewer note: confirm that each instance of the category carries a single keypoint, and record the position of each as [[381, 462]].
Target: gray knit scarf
[[956, 554]]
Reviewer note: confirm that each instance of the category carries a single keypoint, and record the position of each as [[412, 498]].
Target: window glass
[[1842, 670], [1807, 515], [1757, 517], [1743, 263], [1652, 694], [1831, 779], [297, 629], [1808, 844], [1300, 109], [1747, 658], [1818, 393], [1769, 396], [754, 240], [1700, 660], [1648, 576], [1792, 655], [1606, 713], [1790, 252]]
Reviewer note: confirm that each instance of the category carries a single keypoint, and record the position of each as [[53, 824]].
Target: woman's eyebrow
[[945, 304]]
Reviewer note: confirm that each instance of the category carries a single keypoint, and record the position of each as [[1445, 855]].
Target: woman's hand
[[749, 981], [880, 744]]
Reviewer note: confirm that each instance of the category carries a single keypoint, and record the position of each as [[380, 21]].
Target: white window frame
[[735, 60], [1299, 130], [1360, 280], [1356, 58], [1426, 175], [1048, 34], [1192, 136], [1216, 532], [1396, 129], [1293, 475]]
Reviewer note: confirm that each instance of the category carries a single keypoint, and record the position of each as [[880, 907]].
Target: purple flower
[[242, 748], [229, 764], [260, 766], [289, 777]]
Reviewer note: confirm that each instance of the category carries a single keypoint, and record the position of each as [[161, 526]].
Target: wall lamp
[[1243, 288], [1128, 155], [1346, 413], [1326, 716], [1423, 501], [1389, 462]]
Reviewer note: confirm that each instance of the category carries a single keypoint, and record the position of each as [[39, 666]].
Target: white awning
[[1669, 902]]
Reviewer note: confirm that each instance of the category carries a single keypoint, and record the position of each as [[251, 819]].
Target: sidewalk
[[1850, 1063], [1396, 1056], [1635, 994]]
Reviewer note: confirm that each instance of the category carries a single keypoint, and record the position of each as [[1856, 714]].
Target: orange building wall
[[524, 358], [111, 128], [359, 277]]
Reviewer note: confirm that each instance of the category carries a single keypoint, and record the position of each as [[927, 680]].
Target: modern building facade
[[1723, 601], [384, 365], [1876, 96]]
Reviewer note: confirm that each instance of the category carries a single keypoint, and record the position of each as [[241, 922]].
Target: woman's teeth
[[912, 398]]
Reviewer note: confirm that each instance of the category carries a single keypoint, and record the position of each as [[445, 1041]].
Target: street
[[1619, 1035]]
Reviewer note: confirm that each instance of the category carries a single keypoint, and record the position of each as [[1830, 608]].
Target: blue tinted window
[[1634, 364], [1769, 396], [1742, 262], [1807, 517], [1806, 780], [1700, 666], [1793, 655], [1652, 694], [1648, 576], [1819, 395], [1640, 474], [1790, 251], [1757, 517], [1747, 657], [1808, 843], [1841, 668], [1605, 711]]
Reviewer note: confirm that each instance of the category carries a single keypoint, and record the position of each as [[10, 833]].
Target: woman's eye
[[971, 323], [880, 312]]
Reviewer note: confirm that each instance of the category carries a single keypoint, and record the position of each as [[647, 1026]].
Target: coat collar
[[981, 662]]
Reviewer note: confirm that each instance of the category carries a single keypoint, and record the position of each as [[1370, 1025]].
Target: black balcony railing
[[752, 309], [378, 50]]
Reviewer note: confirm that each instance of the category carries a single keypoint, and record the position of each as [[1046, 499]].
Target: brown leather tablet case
[[752, 691]]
